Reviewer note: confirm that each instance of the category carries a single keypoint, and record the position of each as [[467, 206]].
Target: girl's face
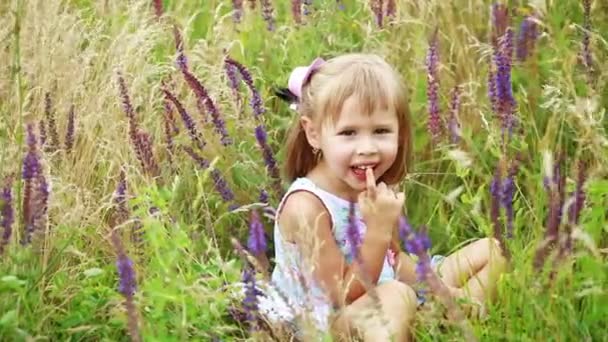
[[354, 142]]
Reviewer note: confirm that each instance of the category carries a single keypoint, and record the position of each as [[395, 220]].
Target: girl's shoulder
[[300, 207]]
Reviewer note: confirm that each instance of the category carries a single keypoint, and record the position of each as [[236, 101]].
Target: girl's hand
[[380, 206]]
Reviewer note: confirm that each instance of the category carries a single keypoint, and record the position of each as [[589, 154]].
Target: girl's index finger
[[371, 183]]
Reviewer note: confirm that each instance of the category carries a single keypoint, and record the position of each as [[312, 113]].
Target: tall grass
[[174, 223]]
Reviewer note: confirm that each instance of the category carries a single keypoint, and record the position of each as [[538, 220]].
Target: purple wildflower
[[263, 197], [257, 241], [579, 195], [496, 195], [181, 60], [127, 285], [307, 6], [256, 100], [51, 123], [42, 129], [340, 5], [129, 111], [221, 186], [555, 192], [500, 22], [391, 9], [158, 8], [203, 97], [169, 125], [69, 135], [432, 60], [453, 123], [6, 212], [202, 162], [267, 14], [237, 8], [145, 154], [508, 190], [296, 11], [418, 244], [377, 8], [586, 53], [353, 232], [269, 160], [233, 80], [250, 302], [186, 119], [526, 39], [30, 172], [120, 200], [220, 183], [505, 101]]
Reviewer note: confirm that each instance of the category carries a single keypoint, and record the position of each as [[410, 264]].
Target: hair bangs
[[373, 89]]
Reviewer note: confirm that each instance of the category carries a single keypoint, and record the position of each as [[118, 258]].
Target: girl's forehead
[[354, 108]]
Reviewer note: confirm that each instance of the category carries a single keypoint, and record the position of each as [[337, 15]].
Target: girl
[[351, 143]]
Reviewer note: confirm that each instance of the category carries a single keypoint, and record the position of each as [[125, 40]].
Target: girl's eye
[[383, 131], [347, 132]]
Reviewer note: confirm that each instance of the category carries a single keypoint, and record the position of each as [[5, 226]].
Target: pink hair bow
[[300, 75]]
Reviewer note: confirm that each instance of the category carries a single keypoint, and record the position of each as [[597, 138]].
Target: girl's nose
[[366, 146]]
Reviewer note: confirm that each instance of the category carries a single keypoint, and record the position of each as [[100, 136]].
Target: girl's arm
[[305, 221]]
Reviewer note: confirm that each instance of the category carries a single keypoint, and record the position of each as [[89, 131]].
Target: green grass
[[63, 286]]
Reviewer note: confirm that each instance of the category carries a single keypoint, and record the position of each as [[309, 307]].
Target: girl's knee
[[396, 289]]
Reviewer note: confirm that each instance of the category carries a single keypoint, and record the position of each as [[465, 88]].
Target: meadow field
[[141, 146]]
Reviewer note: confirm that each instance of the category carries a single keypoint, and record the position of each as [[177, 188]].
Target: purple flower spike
[[31, 170], [127, 285], [221, 186], [69, 135], [263, 197], [181, 60], [42, 129], [51, 123], [269, 160], [528, 33], [268, 14], [496, 195], [202, 162], [203, 97], [377, 9], [579, 195], [6, 213], [500, 22], [508, 190], [505, 101], [257, 240], [353, 231], [158, 8], [391, 9], [453, 123], [296, 11], [145, 153], [237, 10], [256, 100], [307, 7], [186, 119], [432, 61], [586, 53], [250, 302]]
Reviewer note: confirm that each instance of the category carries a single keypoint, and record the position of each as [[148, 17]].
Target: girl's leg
[[361, 318], [473, 270]]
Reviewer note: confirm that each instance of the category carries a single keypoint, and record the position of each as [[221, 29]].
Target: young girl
[[351, 143]]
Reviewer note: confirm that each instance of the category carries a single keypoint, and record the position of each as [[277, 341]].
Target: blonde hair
[[374, 83]]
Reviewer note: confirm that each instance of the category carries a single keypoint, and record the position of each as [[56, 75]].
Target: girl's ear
[[311, 131]]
